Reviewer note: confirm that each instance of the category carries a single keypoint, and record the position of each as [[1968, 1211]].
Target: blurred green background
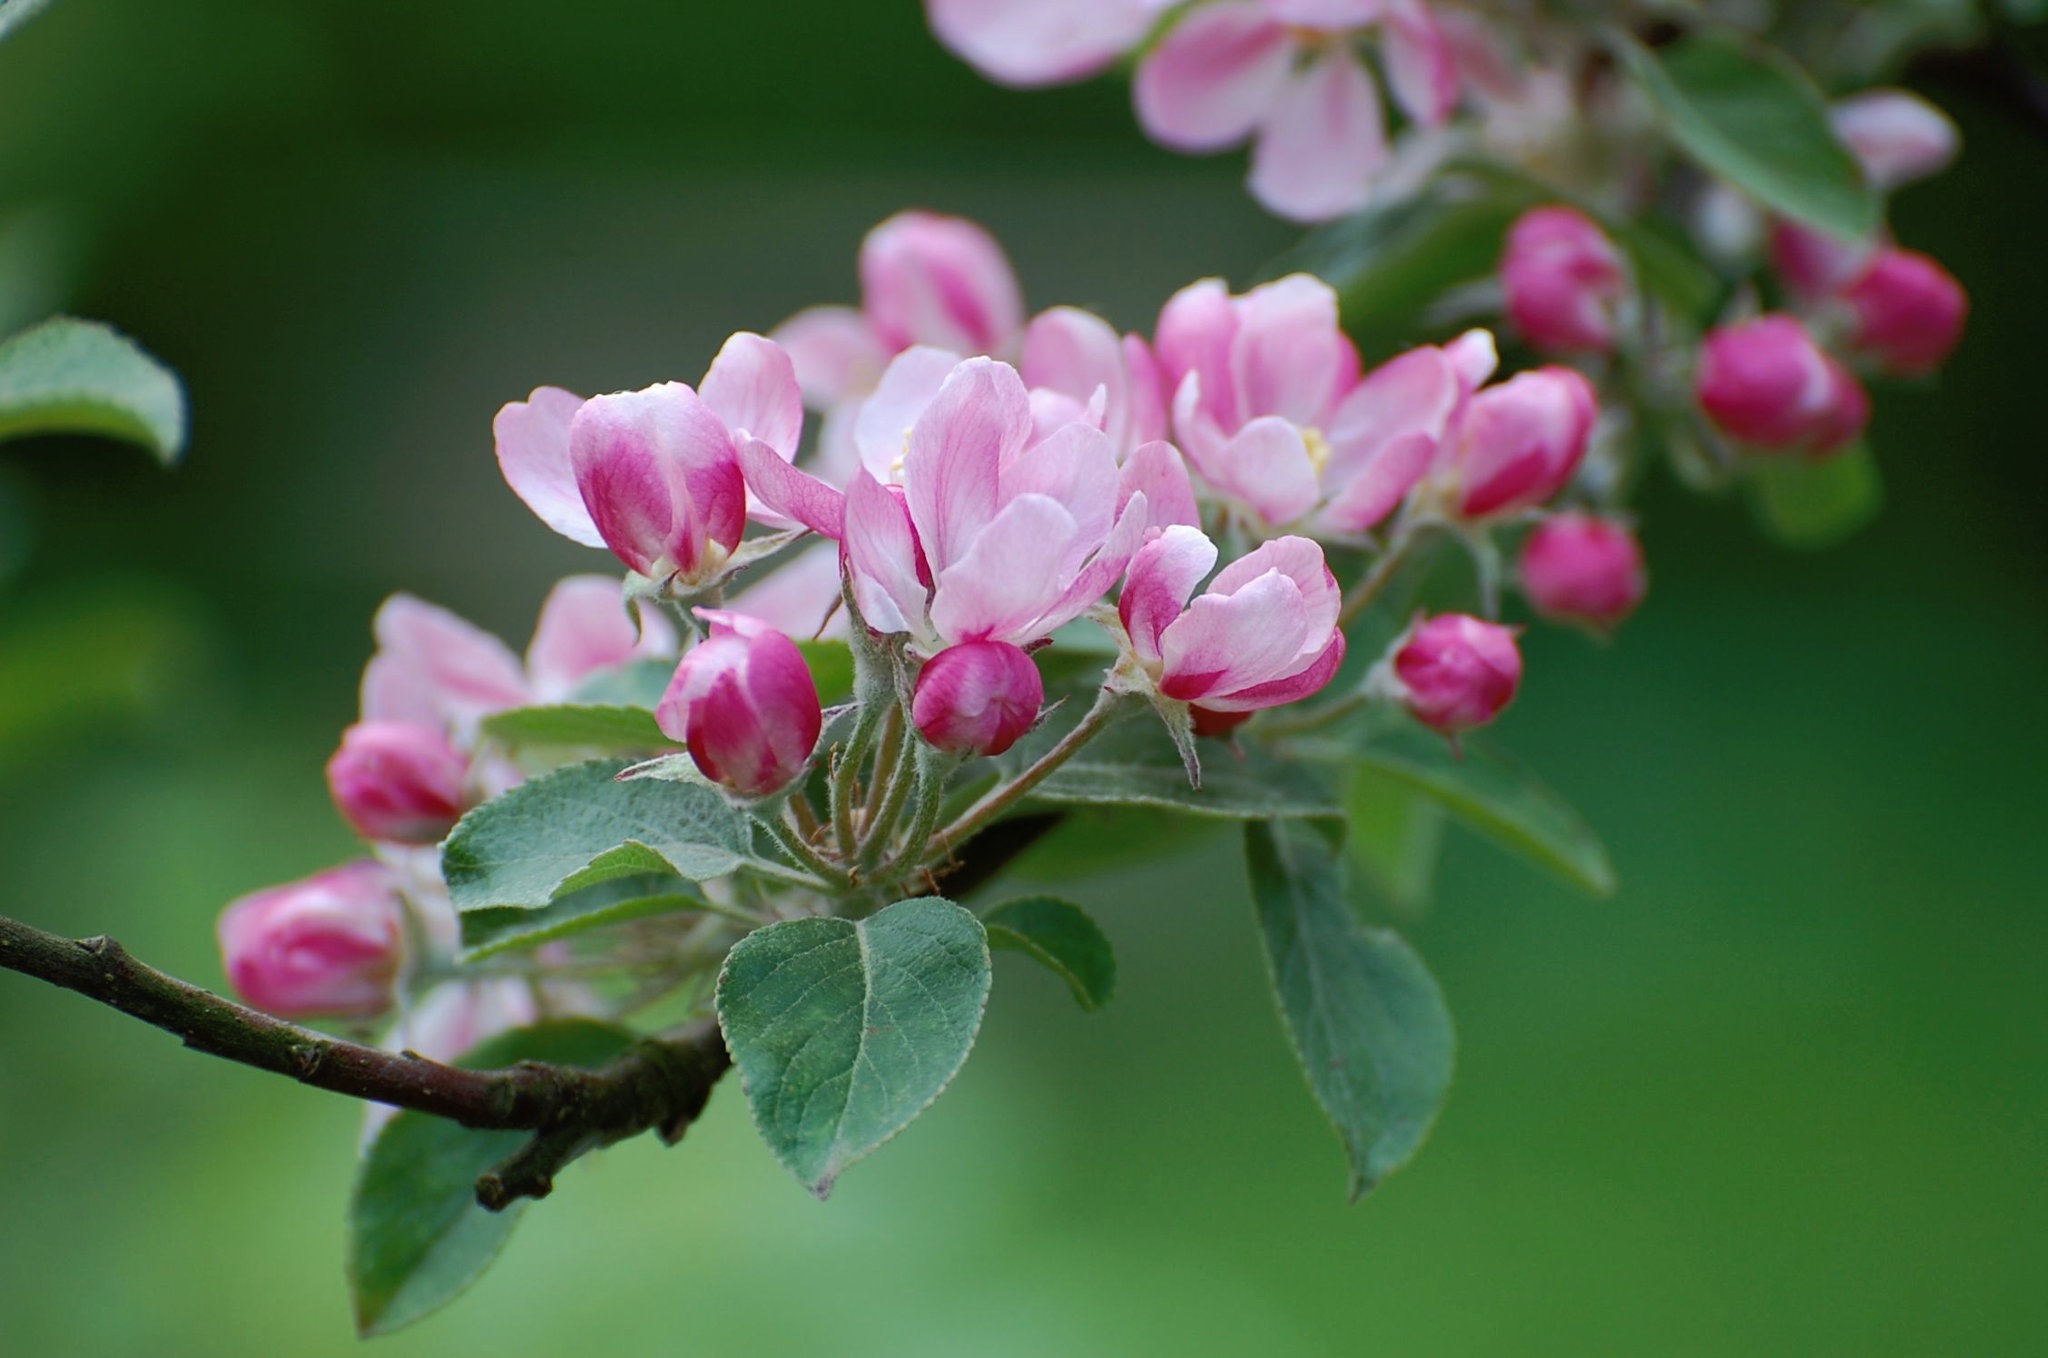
[[1784, 1095]]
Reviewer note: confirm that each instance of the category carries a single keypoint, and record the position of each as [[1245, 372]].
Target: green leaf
[[845, 1030], [1134, 764], [493, 930], [1396, 834], [1365, 1016], [1809, 502], [831, 665], [579, 826], [637, 683], [1062, 937], [416, 1237], [1748, 113], [619, 730], [68, 376]]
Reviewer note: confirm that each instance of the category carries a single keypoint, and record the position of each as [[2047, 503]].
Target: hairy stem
[[1003, 796]]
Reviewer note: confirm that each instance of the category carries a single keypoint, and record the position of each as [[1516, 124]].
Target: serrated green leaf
[[579, 826], [1061, 936], [615, 730], [1749, 114], [68, 376], [1396, 835], [1365, 1016], [416, 1236], [1809, 502], [490, 931], [845, 1030]]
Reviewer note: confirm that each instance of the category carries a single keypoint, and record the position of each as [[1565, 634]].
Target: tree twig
[[661, 1085]]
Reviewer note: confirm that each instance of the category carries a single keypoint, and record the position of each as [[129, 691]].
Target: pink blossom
[[330, 944], [1909, 312], [1285, 74], [1073, 358], [989, 536], [1564, 280], [1518, 443], [1766, 383], [1583, 568], [1814, 264], [1457, 672], [1263, 633], [1041, 42], [745, 704], [585, 628], [1896, 136], [1272, 413], [977, 698], [402, 782]]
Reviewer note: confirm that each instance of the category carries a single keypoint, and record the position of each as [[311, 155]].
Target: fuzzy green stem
[[999, 799]]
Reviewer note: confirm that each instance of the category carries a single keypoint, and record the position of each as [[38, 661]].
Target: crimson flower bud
[[1457, 672], [744, 702], [330, 944], [1563, 279], [1767, 383], [1909, 312], [659, 475], [1583, 568], [398, 781], [977, 698]]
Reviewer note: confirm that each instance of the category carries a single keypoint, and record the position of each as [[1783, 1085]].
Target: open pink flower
[[989, 536], [1074, 359], [1263, 633], [1286, 74], [1272, 413], [1041, 42]]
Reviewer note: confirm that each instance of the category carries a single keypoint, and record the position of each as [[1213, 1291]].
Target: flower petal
[[931, 279], [799, 596], [794, 495], [436, 668], [1421, 67], [1324, 141], [1162, 578], [1076, 354], [1289, 688], [533, 453], [585, 626], [1267, 466], [1156, 471], [977, 424], [1040, 42], [882, 557], [1076, 467], [881, 431], [1300, 560], [1289, 357], [1226, 642], [835, 352], [1009, 577], [1213, 78], [752, 386]]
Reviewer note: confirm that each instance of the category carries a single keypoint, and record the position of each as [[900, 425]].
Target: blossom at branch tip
[[1583, 568], [977, 698], [1262, 634], [1286, 75], [744, 702], [1564, 281], [1517, 443], [399, 782], [330, 944], [1273, 415], [1766, 383], [1455, 672], [1025, 43], [1908, 312]]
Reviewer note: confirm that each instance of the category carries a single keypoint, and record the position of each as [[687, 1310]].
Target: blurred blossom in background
[[1783, 1095]]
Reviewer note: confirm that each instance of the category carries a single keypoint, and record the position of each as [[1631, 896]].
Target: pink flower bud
[[1583, 568], [1563, 280], [1519, 443], [1909, 312], [658, 472], [744, 702], [330, 944], [977, 698], [398, 781], [1897, 137], [1767, 383], [939, 281], [1812, 263], [1457, 672]]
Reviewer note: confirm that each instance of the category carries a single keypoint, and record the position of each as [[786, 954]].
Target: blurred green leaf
[[416, 1237], [1397, 832], [614, 730], [14, 13], [845, 1030], [637, 683], [1749, 114], [1365, 1016], [579, 826], [1062, 937], [69, 376], [1816, 502], [493, 930], [831, 665]]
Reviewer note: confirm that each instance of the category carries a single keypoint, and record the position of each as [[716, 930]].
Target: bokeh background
[[1785, 1094]]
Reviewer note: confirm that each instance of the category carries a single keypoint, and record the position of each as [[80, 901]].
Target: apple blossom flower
[[745, 704], [1042, 42], [1765, 382], [1564, 281], [328, 945], [402, 782], [1582, 568], [1262, 634], [1072, 358], [1272, 413], [1286, 74], [1908, 310], [977, 698], [1896, 136], [1456, 672], [1516, 444]]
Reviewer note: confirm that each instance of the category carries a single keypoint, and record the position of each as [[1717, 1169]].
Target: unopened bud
[[1563, 279], [1768, 384], [658, 473], [330, 944], [745, 704], [978, 697], [1519, 442], [1456, 672], [1909, 312], [398, 781], [1583, 568]]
